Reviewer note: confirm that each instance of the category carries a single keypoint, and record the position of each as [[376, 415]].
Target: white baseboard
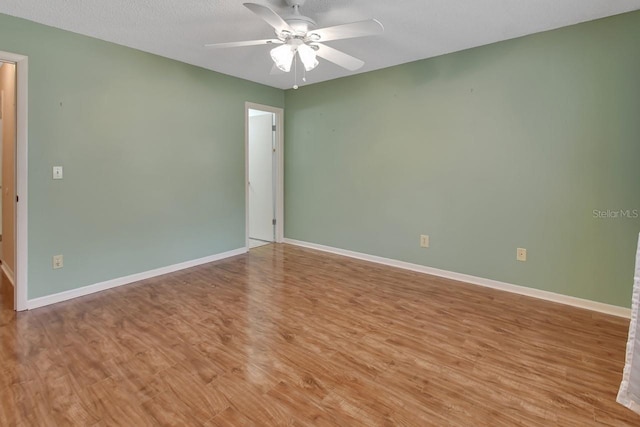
[[8, 273], [522, 290], [102, 286]]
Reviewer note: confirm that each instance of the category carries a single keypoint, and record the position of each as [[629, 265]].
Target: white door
[[261, 175]]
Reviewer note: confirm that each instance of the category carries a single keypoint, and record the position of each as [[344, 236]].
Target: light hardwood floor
[[290, 336]]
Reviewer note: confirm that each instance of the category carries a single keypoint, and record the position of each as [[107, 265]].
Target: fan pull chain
[[295, 71]]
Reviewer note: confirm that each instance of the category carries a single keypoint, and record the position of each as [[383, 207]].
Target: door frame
[[279, 172], [22, 108]]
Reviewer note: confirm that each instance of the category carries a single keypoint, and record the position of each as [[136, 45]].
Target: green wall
[[503, 146], [153, 157], [507, 145]]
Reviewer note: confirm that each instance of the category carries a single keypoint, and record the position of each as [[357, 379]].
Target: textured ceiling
[[414, 29]]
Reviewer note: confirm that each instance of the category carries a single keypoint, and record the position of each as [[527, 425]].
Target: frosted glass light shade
[[283, 57], [308, 57]]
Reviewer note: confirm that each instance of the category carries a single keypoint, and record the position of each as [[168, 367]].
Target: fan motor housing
[[300, 23], [297, 21]]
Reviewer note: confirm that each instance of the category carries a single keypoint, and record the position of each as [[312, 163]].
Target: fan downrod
[[296, 3]]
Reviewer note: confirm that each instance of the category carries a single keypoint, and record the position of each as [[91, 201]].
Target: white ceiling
[[414, 29]]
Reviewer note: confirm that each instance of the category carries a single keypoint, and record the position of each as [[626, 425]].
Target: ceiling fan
[[296, 34]]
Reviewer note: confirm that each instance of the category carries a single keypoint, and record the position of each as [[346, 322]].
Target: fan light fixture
[[307, 56], [283, 56], [297, 34]]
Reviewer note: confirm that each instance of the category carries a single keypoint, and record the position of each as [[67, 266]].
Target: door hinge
[[273, 128], [17, 198], [274, 222]]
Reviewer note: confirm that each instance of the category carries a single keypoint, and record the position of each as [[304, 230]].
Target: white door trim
[[279, 112], [22, 108]]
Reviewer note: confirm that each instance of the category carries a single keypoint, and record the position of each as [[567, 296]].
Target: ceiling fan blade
[[244, 43], [339, 58], [276, 71], [347, 31], [270, 17]]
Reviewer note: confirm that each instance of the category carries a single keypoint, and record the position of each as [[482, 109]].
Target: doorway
[[1, 145], [264, 177], [13, 176], [7, 174]]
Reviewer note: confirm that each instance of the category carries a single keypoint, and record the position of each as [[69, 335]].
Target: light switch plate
[[57, 172]]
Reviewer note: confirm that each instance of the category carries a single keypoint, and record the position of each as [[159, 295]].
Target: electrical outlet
[[58, 261], [521, 254], [424, 241]]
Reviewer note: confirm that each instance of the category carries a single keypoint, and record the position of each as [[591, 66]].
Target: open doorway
[[14, 74], [8, 131], [263, 162], [1, 144]]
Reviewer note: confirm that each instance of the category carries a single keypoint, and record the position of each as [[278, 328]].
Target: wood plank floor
[[290, 336]]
